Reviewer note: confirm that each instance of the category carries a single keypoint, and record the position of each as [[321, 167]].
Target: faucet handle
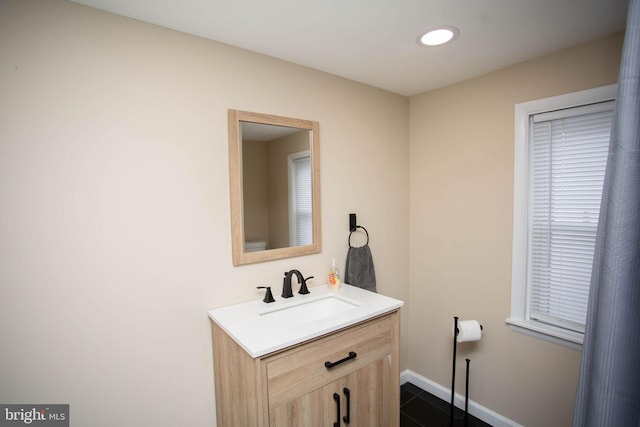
[[303, 286], [268, 296]]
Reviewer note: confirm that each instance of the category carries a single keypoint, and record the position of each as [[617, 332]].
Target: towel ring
[[356, 228]]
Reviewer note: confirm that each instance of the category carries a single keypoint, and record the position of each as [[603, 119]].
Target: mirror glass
[[275, 187]]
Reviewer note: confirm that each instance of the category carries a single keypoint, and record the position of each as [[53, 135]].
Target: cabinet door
[[364, 399], [370, 400], [315, 409]]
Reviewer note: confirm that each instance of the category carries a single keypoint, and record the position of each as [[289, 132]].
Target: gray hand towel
[[359, 270]]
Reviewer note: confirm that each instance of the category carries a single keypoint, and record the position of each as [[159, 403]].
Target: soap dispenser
[[334, 276]]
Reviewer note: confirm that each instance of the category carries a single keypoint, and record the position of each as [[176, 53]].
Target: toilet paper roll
[[469, 330]]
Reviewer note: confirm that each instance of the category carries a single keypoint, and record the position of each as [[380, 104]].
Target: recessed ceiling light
[[438, 36]]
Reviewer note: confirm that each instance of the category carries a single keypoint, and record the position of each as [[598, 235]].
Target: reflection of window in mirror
[[300, 213]]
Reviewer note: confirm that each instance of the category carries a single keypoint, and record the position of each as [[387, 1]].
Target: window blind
[[303, 202], [567, 163]]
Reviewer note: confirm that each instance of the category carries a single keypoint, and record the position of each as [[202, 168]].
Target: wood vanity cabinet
[[294, 387]]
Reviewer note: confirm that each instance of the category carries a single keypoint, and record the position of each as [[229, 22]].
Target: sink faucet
[[286, 283]]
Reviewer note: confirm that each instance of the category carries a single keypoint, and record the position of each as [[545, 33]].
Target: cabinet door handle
[[347, 417], [329, 365], [336, 397]]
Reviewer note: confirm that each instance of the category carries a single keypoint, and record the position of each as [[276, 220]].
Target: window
[[300, 201], [561, 149]]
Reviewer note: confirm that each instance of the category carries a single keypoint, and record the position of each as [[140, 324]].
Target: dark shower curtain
[[609, 385]]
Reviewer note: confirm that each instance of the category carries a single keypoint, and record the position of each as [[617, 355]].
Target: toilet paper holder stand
[[453, 378]]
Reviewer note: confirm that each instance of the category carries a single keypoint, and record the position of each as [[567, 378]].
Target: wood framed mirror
[[274, 178]]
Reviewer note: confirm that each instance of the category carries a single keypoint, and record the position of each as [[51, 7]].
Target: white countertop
[[258, 334]]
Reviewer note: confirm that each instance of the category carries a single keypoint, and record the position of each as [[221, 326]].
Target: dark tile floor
[[421, 409]]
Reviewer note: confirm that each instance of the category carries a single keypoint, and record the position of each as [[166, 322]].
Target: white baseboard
[[444, 393]]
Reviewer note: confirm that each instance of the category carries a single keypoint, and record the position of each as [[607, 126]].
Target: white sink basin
[[309, 310], [261, 328]]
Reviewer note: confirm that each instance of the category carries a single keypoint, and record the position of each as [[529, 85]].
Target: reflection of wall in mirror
[[265, 187], [255, 190]]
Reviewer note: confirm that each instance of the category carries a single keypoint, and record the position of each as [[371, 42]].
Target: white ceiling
[[374, 41]]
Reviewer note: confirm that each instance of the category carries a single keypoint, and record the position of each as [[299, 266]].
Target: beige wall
[[114, 204], [461, 151]]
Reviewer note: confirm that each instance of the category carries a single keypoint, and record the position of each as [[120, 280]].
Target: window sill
[[572, 340]]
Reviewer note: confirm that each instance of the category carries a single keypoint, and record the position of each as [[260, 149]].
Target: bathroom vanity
[[340, 368]]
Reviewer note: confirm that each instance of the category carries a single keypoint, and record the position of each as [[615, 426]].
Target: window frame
[[519, 319]]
